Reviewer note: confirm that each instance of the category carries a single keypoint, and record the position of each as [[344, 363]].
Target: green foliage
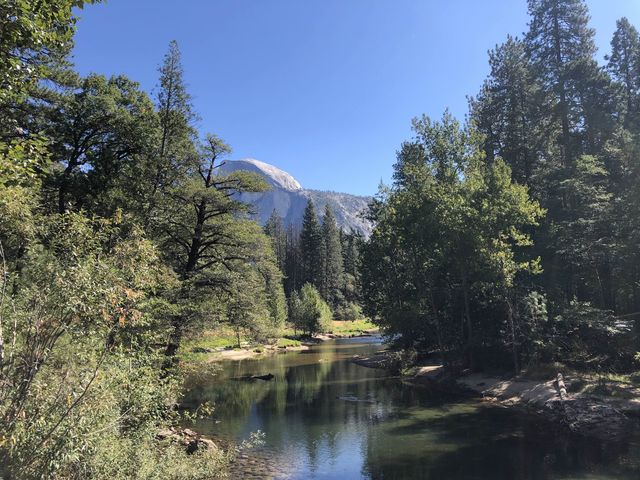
[[81, 383], [98, 127], [22, 161], [308, 312], [311, 246], [588, 337], [116, 234], [447, 243], [274, 228], [624, 67], [569, 131], [348, 311], [331, 274], [505, 111], [33, 38], [254, 296]]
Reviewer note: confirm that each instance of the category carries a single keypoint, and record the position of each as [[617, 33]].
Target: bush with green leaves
[[348, 311], [308, 312], [82, 392]]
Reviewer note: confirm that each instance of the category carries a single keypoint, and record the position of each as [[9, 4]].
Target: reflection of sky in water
[[327, 418]]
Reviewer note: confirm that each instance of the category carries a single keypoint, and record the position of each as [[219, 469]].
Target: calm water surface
[[326, 418]]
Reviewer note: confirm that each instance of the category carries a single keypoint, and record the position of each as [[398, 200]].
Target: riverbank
[[605, 407], [222, 344], [403, 429]]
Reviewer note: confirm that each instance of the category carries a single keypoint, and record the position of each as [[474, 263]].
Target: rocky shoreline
[[609, 419]]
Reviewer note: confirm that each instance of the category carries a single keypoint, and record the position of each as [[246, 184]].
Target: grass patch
[[194, 349], [351, 327], [285, 342], [344, 328]]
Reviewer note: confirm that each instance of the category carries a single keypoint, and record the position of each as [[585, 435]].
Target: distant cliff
[[289, 199]]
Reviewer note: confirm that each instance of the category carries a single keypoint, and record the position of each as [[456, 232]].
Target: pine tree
[[580, 122], [561, 48], [624, 67], [331, 258], [351, 243], [507, 107], [201, 231], [174, 150], [310, 246], [274, 228], [293, 261]]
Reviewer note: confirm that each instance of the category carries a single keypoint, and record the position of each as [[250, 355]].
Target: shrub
[[309, 312], [349, 311]]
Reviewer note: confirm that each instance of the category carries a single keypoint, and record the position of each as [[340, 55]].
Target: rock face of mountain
[[289, 199]]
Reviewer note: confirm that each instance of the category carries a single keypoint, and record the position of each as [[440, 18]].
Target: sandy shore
[[253, 352], [245, 353]]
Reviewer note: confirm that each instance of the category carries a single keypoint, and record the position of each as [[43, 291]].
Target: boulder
[[187, 438]]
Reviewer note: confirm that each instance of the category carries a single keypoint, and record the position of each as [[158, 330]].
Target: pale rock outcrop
[[289, 198]]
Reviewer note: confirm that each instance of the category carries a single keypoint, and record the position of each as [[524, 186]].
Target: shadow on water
[[326, 418]]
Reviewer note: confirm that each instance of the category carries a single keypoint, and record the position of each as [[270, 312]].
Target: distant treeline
[[322, 255]]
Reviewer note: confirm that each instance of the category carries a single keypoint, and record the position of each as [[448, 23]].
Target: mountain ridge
[[289, 198]]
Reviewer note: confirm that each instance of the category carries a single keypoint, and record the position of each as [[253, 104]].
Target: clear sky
[[324, 89]]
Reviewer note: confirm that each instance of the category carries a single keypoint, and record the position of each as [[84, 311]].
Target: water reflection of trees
[[303, 405], [491, 443], [321, 408]]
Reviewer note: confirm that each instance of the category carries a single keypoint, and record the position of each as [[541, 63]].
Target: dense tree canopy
[[520, 223], [117, 236]]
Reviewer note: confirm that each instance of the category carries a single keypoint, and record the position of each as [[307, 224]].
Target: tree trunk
[[562, 93], [512, 326], [438, 330], [62, 189], [469, 324], [175, 338]]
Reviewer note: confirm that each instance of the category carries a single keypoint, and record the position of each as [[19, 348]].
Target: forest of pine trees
[[322, 255], [513, 239]]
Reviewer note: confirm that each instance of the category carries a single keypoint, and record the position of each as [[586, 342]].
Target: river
[[325, 417]]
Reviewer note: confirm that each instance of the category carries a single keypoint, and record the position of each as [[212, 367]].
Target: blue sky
[[324, 89]]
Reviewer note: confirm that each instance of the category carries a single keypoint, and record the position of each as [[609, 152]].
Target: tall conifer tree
[[561, 47], [310, 246], [174, 149], [274, 228], [624, 67], [332, 268]]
